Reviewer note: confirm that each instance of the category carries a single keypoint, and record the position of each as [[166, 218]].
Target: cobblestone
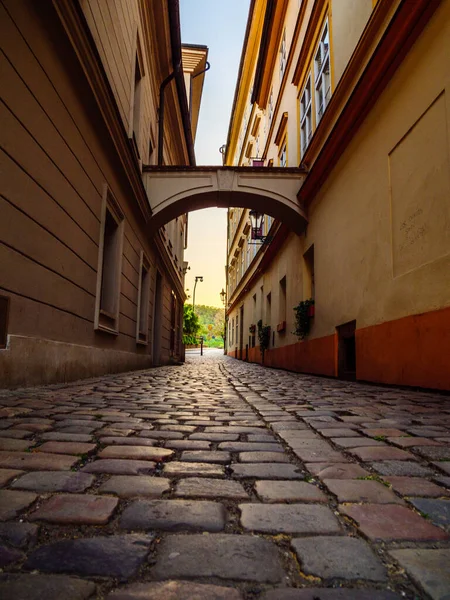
[[240, 522]]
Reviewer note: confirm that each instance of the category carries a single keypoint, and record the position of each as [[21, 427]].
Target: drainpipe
[[162, 89]]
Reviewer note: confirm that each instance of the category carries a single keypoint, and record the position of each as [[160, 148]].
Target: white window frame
[[282, 155], [270, 106], [306, 128], [283, 54], [322, 72]]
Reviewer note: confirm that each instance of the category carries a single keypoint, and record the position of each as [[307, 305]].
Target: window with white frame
[[282, 155], [270, 105], [305, 116], [322, 73], [283, 54]]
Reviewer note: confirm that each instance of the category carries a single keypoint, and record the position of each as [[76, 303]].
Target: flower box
[[281, 326], [311, 311], [252, 329]]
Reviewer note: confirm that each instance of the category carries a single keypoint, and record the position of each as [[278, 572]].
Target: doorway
[[157, 320], [241, 332], [347, 351]]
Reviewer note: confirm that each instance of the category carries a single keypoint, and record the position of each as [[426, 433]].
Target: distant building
[[85, 289], [356, 92]]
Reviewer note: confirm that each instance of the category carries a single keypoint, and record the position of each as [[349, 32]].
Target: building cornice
[[390, 33], [77, 30]]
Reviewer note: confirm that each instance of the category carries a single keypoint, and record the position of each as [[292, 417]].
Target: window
[[283, 54], [305, 117], [109, 266], [322, 73], [308, 274], [232, 331], [237, 328], [282, 303], [143, 301], [268, 308], [270, 105], [282, 155], [242, 262], [137, 102], [4, 311]]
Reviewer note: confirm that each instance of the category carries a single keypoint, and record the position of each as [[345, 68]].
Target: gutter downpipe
[[162, 89]]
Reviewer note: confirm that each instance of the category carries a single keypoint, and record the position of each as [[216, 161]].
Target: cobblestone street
[[220, 479]]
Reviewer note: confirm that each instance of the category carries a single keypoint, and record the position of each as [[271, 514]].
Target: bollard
[[201, 346]]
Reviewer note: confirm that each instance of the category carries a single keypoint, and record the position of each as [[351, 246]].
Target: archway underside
[[173, 191]]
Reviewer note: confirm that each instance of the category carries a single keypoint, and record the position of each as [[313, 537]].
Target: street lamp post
[[197, 278], [223, 297]]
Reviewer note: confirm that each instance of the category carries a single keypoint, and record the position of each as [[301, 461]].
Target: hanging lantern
[[257, 223]]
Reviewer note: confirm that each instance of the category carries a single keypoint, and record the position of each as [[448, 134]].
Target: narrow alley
[[218, 480]]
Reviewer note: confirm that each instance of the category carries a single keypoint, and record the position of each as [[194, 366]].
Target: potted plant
[[304, 312], [252, 329]]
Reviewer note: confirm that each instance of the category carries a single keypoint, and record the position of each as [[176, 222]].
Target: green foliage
[[191, 325], [211, 325], [303, 318], [190, 340], [263, 336]]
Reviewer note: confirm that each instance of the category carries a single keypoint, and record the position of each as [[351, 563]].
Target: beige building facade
[[85, 287], [357, 93]]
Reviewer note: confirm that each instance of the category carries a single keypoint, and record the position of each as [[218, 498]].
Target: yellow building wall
[[348, 19]]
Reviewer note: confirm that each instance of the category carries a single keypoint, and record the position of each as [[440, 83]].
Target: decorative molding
[[311, 32], [281, 128]]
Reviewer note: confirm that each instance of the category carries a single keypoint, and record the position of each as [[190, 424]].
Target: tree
[[191, 325]]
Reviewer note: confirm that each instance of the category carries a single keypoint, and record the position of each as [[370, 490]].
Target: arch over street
[[173, 191]]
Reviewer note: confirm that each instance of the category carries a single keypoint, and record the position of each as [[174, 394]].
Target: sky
[[220, 25]]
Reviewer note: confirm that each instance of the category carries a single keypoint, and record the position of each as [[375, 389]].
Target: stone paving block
[[354, 490], [306, 434], [263, 457], [126, 441], [287, 425], [7, 475], [40, 587], [115, 432], [357, 442], [378, 432], [118, 556], [429, 569], [445, 481], [56, 436], [338, 557], [188, 444], [17, 434], [401, 468], [210, 488], [129, 486], [407, 442], [427, 431], [76, 508], [8, 556], [34, 427], [135, 452], [437, 511], [267, 471], [391, 522], [179, 428], [54, 481], [15, 445], [18, 535], [338, 433], [174, 515], [75, 448], [443, 466], [215, 437], [250, 447], [289, 491], [39, 461], [225, 556], [161, 435], [288, 518], [329, 594], [416, 486], [433, 452], [264, 438], [115, 466], [183, 469], [372, 453], [313, 455], [175, 590], [12, 503], [206, 456], [234, 429]]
